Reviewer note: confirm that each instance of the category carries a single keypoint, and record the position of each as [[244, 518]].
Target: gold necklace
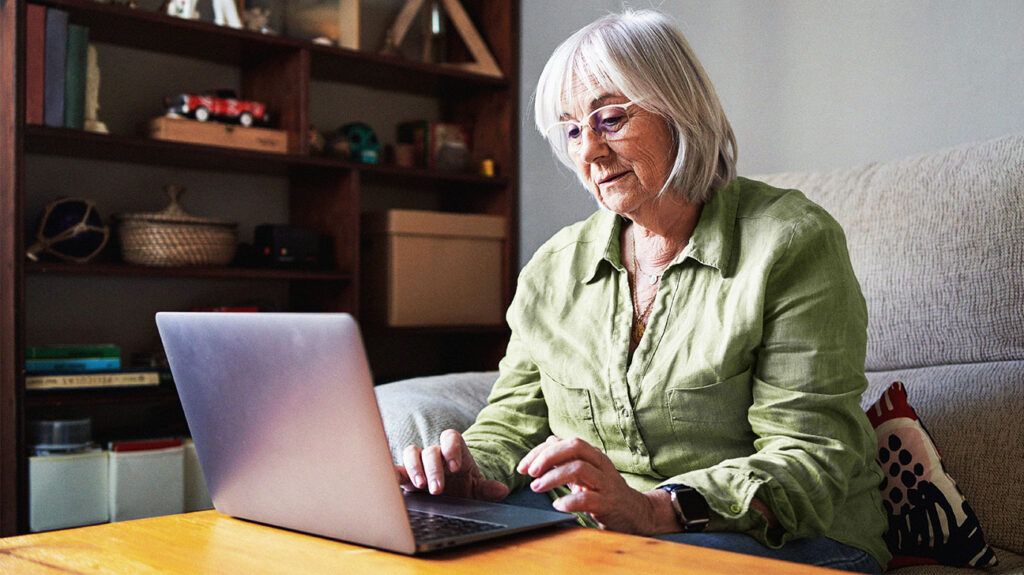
[[640, 317]]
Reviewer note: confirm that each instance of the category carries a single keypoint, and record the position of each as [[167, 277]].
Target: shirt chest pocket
[[719, 409], [565, 401], [570, 410]]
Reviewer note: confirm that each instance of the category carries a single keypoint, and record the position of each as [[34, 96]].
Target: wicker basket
[[175, 238]]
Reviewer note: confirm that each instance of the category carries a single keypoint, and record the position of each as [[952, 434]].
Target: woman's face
[[624, 173]]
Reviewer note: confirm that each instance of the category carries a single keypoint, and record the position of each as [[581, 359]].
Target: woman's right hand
[[447, 468]]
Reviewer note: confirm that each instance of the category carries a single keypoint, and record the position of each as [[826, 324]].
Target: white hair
[[642, 55]]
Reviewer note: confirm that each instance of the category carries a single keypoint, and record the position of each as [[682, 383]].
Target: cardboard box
[[217, 134], [433, 269], [336, 20]]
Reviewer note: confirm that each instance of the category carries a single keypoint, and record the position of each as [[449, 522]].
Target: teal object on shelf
[[363, 143]]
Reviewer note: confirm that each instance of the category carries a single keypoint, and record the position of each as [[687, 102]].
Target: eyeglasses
[[607, 121]]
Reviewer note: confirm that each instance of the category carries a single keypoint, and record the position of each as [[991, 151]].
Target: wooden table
[[209, 542]]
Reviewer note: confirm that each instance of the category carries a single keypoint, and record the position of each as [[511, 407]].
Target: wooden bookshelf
[[323, 193]]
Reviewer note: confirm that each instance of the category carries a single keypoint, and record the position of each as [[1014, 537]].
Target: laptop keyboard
[[426, 526]]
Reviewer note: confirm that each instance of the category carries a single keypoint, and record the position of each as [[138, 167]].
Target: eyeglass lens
[[604, 121]]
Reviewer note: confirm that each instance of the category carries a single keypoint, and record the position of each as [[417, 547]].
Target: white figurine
[[182, 9], [92, 93], [225, 13]]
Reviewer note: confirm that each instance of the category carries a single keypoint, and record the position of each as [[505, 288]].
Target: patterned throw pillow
[[930, 522]]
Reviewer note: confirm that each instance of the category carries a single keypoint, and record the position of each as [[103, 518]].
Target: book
[[126, 378], [72, 351], [125, 446], [35, 63], [75, 76], [72, 365], [56, 64]]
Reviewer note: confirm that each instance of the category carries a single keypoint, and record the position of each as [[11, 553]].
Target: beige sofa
[[937, 241]]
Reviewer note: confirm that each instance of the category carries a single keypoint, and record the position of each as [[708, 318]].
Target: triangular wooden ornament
[[483, 63]]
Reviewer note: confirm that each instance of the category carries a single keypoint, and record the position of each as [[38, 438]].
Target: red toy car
[[220, 105]]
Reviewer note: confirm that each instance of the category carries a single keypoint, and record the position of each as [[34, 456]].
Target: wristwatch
[[690, 507]]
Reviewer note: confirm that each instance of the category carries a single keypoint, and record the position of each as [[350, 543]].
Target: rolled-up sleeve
[[516, 416], [811, 435]]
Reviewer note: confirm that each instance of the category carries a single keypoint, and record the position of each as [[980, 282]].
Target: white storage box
[[197, 497], [67, 490], [146, 483]]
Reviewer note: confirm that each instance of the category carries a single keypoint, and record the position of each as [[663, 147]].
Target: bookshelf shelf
[[225, 273], [163, 394], [136, 28], [63, 142]]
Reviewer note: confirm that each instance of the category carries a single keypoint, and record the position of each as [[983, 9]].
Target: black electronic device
[[286, 246]]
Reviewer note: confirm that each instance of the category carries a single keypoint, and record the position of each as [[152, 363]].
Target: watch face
[[690, 507], [692, 504]]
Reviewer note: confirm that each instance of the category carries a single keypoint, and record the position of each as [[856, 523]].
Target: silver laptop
[[285, 422]]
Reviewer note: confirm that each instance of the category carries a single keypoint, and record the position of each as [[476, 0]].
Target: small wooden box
[[217, 134], [433, 269]]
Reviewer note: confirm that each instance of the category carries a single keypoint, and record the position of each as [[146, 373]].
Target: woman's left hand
[[597, 488]]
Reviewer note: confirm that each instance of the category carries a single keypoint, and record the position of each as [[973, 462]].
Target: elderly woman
[[688, 361]]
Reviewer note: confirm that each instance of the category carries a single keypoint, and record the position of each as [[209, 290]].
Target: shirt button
[[735, 508]]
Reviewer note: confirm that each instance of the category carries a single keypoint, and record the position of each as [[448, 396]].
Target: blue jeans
[[820, 551]]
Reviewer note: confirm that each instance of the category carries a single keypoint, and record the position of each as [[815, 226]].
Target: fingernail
[[453, 466], [433, 487], [534, 485], [417, 480]]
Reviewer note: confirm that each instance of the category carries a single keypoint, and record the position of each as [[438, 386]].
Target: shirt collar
[[710, 244], [712, 241], [605, 248]]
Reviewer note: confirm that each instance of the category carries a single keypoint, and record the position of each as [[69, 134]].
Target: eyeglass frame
[[603, 133]]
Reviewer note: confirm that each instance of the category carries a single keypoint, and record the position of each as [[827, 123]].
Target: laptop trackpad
[[510, 516], [445, 505]]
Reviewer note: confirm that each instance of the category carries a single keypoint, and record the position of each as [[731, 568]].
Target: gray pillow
[[416, 411]]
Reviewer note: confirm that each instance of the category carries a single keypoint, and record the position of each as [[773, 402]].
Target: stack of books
[[83, 366], [55, 68]]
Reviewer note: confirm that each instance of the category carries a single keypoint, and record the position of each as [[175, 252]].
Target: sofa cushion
[[929, 519], [416, 411], [935, 242], [1009, 564]]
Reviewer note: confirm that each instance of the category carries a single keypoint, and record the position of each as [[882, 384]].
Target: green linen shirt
[[747, 380]]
